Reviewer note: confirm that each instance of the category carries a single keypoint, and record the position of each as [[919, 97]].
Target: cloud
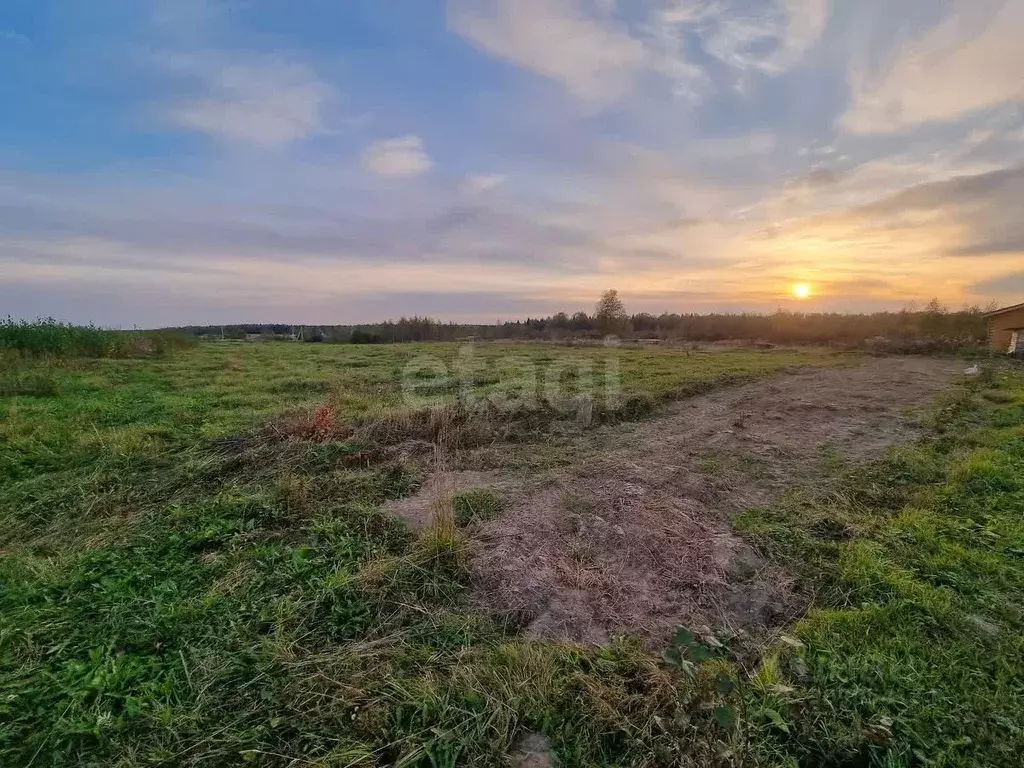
[[769, 36], [475, 185], [972, 60], [983, 189], [593, 57], [130, 227], [805, 23], [963, 215], [300, 252], [720, 199], [313, 239], [1012, 244], [1011, 284], [598, 57], [939, 237], [819, 177], [403, 156], [266, 103], [982, 210]]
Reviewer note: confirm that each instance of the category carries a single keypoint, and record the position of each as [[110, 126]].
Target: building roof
[[1004, 310]]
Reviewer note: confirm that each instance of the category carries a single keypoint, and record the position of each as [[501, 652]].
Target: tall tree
[[610, 313]]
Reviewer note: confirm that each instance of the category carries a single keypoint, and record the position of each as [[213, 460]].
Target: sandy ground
[[638, 537]]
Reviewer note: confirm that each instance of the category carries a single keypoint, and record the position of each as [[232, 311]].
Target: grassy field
[[180, 587], [136, 410]]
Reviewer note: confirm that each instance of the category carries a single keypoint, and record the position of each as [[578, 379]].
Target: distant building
[[1006, 330]]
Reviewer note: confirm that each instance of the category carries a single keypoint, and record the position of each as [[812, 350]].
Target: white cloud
[[474, 185], [970, 61], [266, 103], [805, 23], [770, 37], [581, 45], [594, 58], [403, 156]]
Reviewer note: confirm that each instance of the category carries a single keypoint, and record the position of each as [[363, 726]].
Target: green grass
[[913, 655], [167, 597], [127, 409], [477, 505], [170, 595]]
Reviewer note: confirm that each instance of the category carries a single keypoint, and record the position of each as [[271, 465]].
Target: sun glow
[[801, 290]]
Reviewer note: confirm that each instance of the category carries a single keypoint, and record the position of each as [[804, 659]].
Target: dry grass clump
[[442, 503], [448, 423], [453, 424]]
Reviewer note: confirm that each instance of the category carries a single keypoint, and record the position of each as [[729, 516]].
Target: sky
[[170, 162]]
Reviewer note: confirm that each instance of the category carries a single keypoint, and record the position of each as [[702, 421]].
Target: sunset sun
[[801, 290]]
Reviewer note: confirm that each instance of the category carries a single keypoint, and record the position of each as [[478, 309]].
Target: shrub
[[49, 337], [55, 338]]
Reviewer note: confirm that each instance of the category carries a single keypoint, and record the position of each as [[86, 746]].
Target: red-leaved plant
[[324, 423]]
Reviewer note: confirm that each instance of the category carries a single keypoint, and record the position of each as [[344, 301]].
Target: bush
[[49, 337], [52, 337]]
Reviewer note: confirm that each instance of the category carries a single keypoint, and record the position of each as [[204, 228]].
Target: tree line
[[931, 326]]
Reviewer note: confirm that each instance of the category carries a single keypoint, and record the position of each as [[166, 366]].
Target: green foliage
[[688, 653], [610, 313], [55, 338], [49, 337]]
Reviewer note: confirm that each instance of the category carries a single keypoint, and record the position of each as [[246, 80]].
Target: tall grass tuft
[[442, 530], [52, 338]]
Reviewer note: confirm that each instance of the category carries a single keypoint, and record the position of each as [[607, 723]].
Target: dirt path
[[638, 538]]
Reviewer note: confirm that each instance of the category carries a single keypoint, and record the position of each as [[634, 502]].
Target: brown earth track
[[637, 537]]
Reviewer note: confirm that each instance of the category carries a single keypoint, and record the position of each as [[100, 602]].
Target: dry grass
[[442, 529]]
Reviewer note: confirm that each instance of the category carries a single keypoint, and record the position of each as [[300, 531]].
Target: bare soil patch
[[638, 538]]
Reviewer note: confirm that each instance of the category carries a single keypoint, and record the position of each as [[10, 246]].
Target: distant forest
[[931, 327]]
